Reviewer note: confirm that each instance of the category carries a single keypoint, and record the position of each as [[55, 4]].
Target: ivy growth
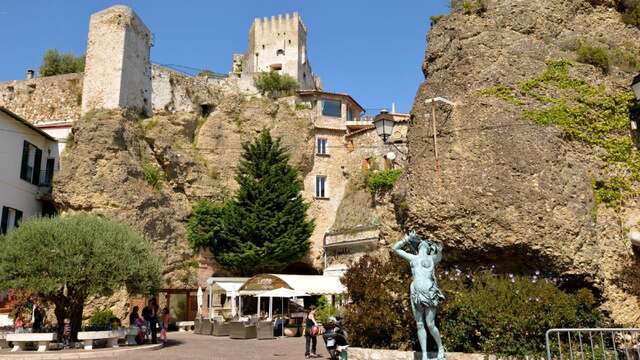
[[587, 113]]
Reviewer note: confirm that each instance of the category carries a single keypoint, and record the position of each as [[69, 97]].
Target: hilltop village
[[192, 128]]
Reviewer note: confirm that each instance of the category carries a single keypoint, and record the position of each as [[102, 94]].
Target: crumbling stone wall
[[52, 98]]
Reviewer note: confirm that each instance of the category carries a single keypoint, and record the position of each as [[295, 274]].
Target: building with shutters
[[28, 158]]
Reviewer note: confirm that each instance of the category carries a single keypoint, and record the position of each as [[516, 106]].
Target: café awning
[[229, 285], [308, 284]]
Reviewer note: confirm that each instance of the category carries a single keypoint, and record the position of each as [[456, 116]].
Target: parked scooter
[[336, 339]]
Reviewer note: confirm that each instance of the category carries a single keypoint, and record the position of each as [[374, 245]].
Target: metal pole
[[435, 144]]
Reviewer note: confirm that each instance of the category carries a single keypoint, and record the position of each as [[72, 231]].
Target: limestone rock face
[[104, 169], [511, 192]]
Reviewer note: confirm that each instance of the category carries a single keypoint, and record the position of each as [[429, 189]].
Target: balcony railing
[[45, 178]]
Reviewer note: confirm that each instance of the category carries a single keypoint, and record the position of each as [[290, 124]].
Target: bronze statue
[[425, 294]]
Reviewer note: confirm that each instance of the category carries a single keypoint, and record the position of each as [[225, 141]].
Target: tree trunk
[[75, 312], [61, 313]]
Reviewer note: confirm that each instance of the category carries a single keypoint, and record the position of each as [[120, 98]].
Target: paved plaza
[[192, 346]]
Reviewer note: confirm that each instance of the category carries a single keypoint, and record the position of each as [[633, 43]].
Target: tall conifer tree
[[264, 227]]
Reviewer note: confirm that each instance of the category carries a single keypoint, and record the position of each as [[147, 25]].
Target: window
[[320, 186], [349, 114], [31, 161], [11, 219], [321, 146], [280, 52], [331, 108], [276, 67]]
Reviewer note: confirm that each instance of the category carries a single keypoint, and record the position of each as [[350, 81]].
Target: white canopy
[[308, 284], [281, 293], [230, 285]]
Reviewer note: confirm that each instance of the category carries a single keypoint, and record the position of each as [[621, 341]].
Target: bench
[[112, 336], [20, 340], [185, 325]]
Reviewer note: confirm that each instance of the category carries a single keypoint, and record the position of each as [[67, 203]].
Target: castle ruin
[[117, 72]]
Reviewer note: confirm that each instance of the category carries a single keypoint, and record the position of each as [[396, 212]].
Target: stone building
[[277, 44], [119, 75], [117, 72]]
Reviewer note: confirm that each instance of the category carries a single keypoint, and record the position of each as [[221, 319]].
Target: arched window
[[280, 52]]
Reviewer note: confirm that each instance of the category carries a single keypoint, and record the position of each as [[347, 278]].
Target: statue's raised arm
[[397, 247], [437, 252]]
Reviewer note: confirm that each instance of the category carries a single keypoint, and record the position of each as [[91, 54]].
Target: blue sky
[[371, 49]]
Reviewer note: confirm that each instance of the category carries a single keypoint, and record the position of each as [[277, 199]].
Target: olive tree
[[65, 260]]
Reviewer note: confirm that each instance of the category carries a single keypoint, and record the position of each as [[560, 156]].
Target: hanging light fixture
[[384, 125]]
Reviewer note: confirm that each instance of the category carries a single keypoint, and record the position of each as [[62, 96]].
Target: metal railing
[[45, 178], [593, 344]]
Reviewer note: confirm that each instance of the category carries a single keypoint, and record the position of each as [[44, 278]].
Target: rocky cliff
[[538, 168], [149, 172]]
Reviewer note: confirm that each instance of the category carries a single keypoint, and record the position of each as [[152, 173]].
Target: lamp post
[[433, 126], [384, 125]]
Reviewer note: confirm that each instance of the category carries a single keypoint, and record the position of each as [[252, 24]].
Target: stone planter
[[291, 331]]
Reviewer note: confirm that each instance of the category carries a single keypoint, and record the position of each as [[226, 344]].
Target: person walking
[[153, 319], [310, 334]]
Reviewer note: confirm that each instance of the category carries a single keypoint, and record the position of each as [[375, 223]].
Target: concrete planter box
[[3, 341], [19, 340], [378, 354], [111, 336]]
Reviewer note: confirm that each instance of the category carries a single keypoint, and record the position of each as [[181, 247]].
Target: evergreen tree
[[264, 227]]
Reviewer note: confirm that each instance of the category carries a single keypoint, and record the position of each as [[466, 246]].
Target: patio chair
[[241, 330], [220, 328], [206, 327], [197, 326], [264, 330]]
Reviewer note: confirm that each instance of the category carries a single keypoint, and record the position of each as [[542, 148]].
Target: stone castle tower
[[278, 44], [117, 72]]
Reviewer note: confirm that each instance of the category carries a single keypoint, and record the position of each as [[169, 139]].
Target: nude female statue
[[425, 294]]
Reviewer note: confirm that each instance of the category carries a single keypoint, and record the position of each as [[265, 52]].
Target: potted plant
[[292, 330]]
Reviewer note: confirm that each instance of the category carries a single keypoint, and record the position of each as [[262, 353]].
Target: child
[[142, 328], [164, 323], [66, 333]]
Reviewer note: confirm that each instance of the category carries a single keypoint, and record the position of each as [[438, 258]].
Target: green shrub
[[324, 310], [469, 7], [383, 180], [483, 312], [57, 63], [275, 85], [630, 12], [435, 18], [596, 56], [152, 175], [101, 319]]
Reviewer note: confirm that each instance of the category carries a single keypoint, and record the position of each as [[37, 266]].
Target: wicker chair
[[264, 330], [220, 328], [241, 330]]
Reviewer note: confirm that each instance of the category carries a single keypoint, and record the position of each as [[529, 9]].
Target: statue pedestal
[[378, 354]]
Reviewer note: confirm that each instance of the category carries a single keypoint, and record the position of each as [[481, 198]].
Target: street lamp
[[384, 125]]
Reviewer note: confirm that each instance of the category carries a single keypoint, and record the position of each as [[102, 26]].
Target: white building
[[28, 158]]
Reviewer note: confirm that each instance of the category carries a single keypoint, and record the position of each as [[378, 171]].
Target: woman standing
[[310, 334]]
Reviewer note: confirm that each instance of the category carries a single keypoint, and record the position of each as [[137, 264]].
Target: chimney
[[30, 74], [393, 107]]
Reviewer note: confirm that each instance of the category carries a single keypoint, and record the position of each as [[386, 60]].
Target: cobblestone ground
[[191, 346]]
